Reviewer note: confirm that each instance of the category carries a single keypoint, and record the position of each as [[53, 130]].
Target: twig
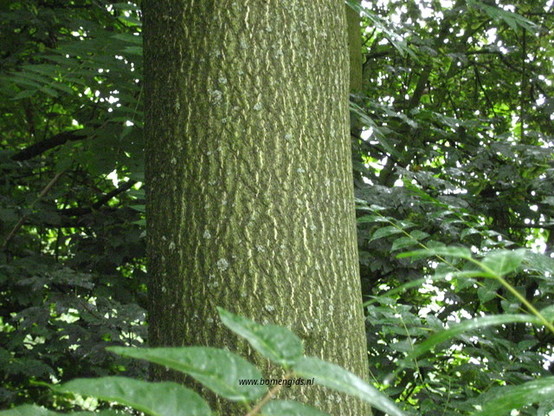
[[98, 204], [24, 217], [270, 394]]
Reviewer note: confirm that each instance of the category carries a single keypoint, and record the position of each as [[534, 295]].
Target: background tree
[[249, 201]]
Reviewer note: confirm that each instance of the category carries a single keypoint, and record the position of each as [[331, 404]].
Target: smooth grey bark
[[249, 178]]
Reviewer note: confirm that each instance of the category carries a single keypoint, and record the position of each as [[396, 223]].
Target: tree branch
[[44, 145], [87, 210]]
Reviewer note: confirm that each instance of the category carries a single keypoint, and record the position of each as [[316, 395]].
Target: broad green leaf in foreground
[[33, 410], [505, 399], [274, 342], [156, 399], [469, 325], [217, 369], [290, 408], [338, 378]]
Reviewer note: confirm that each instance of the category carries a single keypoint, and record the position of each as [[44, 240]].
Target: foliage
[[233, 378], [452, 159], [455, 149], [72, 258], [225, 373]]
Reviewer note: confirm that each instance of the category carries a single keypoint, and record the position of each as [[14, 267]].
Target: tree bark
[[249, 178], [355, 49], [356, 87]]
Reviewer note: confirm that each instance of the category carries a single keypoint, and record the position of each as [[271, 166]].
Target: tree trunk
[[249, 178], [355, 49], [356, 88]]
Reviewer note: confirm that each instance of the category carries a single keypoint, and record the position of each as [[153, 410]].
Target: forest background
[[452, 149]]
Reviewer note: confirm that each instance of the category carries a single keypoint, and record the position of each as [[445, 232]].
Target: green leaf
[[129, 38], [219, 370], [62, 87], [468, 325], [548, 313], [372, 218], [27, 83], [385, 232], [49, 91], [384, 26], [133, 50], [402, 288], [419, 235], [32, 410], [274, 342], [338, 378], [444, 251], [502, 262], [514, 20], [156, 399], [508, 398], [125, 6], [488, 290], [290, 408], [403, 242], [138, 207], [32, 76], [24, 94], [539, 263], [131, 21], [468, 231], [383, 140], [45, 69]]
